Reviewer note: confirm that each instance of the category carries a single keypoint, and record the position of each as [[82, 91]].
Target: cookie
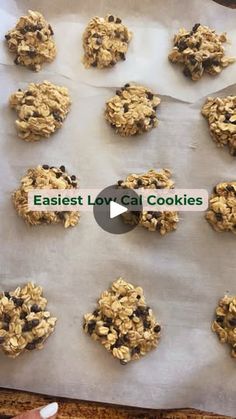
[[221, 213], [25, 323], [225, 322], [132, 110], [31, 40], [221, 115], [45, 177], [41, 110], [105, 42], [161, 221], [200, 50], [123, 323]]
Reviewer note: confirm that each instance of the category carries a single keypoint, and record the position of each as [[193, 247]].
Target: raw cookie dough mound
[[45, 177], [161, 221], [25, 323], [31, 40], [199, 50], [132, 110], [221, 213], [225, 322], [105, 42], [41, 110], [221, 115], [123, 323]]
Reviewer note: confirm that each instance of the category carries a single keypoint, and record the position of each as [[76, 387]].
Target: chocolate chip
[[7, 37], [23, 315], [94, 64], [35, 322], [198, 44], [91, 326], [139, 182], [117, 34], [30, 346], [36, 114], [230, 188], [16, 60], [146, 324], [59, 174], [195, 27], [232, 321], [157, 328], [118, 20], [209, 62], [96, 313], [111, 18], [50, 29], [123, 362], [138, 297], [219, 216], [95, 35], [73, 177], [35, 308], [107, 320], [150, 95], [27, 327], [118, 92], [31, 53], [220, 319], [6, 318], [7, 294], [126, 85], [18, 301], [38, 340], [62, 168], [39, 36], [126, 107], [182, 45], [57, 116], [1, 340], [135, 350], [187, 72], [28, 93], [122, 56], [98, 42], [192, 60], [45, 166], [157, 214], [119, 342]]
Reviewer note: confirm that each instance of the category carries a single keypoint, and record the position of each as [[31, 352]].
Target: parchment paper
[[183, 274]]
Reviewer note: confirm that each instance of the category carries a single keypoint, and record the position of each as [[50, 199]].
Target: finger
[[46, 412]]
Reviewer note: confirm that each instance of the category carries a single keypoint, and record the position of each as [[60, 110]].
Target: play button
[[116, 209], [119, 211]]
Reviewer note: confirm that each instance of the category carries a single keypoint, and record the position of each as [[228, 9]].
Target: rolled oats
[[45, 177], [123, 323], [105, 42], [221, 115], [161, 221], [221, 213], [25, 324], [41, 110], [132, 110], [199, 50], [31, 40], [225, 323]]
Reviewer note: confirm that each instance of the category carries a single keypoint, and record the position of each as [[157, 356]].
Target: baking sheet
[[183, 274]]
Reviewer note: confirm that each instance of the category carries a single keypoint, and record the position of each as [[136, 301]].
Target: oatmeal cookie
[[25, 323], [105, 42], [132, 110], [123, 323], [45, 177], [199, 50], [31, 40], [221, 213], [225, 322], [161, 221], [221, 115], [41, 110]]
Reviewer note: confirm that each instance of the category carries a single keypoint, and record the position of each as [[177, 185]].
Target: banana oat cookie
[[31, 40], [41, 110], [160, 221], [221, 115], [105, 42], [225, 322], [221, 213], [123, 323], [132, 110], [25, 323], [199, 50], [45, 177]]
